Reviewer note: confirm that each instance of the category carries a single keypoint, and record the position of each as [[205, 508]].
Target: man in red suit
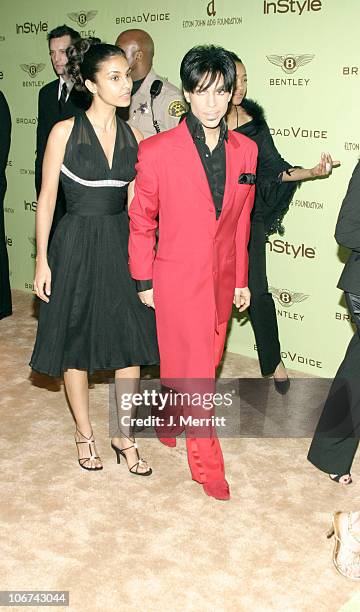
[[195, 183]]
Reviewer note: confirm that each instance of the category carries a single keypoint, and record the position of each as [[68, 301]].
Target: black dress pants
[[262, 312], [5, 293], [337, 434]]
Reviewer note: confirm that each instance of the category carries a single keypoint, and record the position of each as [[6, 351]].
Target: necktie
[[63, 96]]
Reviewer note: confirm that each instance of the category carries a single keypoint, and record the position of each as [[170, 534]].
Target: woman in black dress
[[276, 182], [5, 136], [91, 317]]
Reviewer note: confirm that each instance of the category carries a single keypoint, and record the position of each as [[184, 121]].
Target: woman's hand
[[324, 167], [147, 297], [242, 298], [42, 281]]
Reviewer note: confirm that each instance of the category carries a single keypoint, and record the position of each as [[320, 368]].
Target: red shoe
[[168, 441], [217, 488]]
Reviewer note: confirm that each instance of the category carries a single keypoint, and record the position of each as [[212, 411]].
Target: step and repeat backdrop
[[302, 59]]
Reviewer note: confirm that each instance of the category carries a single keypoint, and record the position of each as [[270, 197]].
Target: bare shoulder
[[62, 129], [138, 135]]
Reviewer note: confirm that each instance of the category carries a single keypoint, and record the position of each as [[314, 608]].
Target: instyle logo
[[298, 7], [299, 132], [287, 298], [32, 28], [294, 251], [30, 206], [143, 18]]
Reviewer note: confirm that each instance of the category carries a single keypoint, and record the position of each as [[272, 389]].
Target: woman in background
[[276, 182], [91, 317], [5, 136]]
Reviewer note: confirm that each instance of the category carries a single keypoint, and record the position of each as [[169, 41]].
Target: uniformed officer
[[156, 104]]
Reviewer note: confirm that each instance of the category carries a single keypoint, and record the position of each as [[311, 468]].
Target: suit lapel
[[232, 152]]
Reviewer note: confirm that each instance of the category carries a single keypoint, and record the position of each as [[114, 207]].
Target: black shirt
[[214, 164]]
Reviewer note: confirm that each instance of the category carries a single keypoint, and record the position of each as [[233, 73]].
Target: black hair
[[64, 30], [207, 60], [234, 57], [85, 57]]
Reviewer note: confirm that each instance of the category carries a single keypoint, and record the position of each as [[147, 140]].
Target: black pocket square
[[247, 179]]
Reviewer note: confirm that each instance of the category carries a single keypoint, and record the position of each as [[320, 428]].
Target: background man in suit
[[164, 104], [58, 100], [198, 180], [338, 432]]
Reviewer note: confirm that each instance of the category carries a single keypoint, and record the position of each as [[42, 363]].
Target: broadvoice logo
[[299, 132], [81, 19], [287, 298], [299, 7], [33, 70], [294, 251], [143, 18], [1, 75], [2, 38], [32, 28], [9, 241], [350, 71]]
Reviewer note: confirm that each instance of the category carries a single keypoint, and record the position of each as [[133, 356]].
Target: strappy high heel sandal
[[135, 468], [92, 452], [345, 544]]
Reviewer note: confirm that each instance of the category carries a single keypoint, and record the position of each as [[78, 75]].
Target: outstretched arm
[[321, 170]]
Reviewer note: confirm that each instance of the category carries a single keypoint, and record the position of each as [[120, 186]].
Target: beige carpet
[[118, 542]]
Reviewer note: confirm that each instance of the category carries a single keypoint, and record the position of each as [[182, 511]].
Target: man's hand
[[242, 298], [147, 298]]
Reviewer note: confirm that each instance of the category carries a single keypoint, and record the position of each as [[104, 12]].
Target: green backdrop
[[302, 59]]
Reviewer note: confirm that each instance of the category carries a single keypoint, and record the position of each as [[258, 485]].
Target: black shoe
[[135, 468], [282, 385]]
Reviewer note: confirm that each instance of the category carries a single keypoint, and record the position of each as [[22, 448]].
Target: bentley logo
[[32, 69], [83, 17], [290, 63], [287, 298]]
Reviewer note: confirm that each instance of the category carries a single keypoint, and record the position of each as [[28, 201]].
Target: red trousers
[[204, 451]]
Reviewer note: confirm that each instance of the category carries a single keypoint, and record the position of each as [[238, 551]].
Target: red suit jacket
[[199, 260]]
